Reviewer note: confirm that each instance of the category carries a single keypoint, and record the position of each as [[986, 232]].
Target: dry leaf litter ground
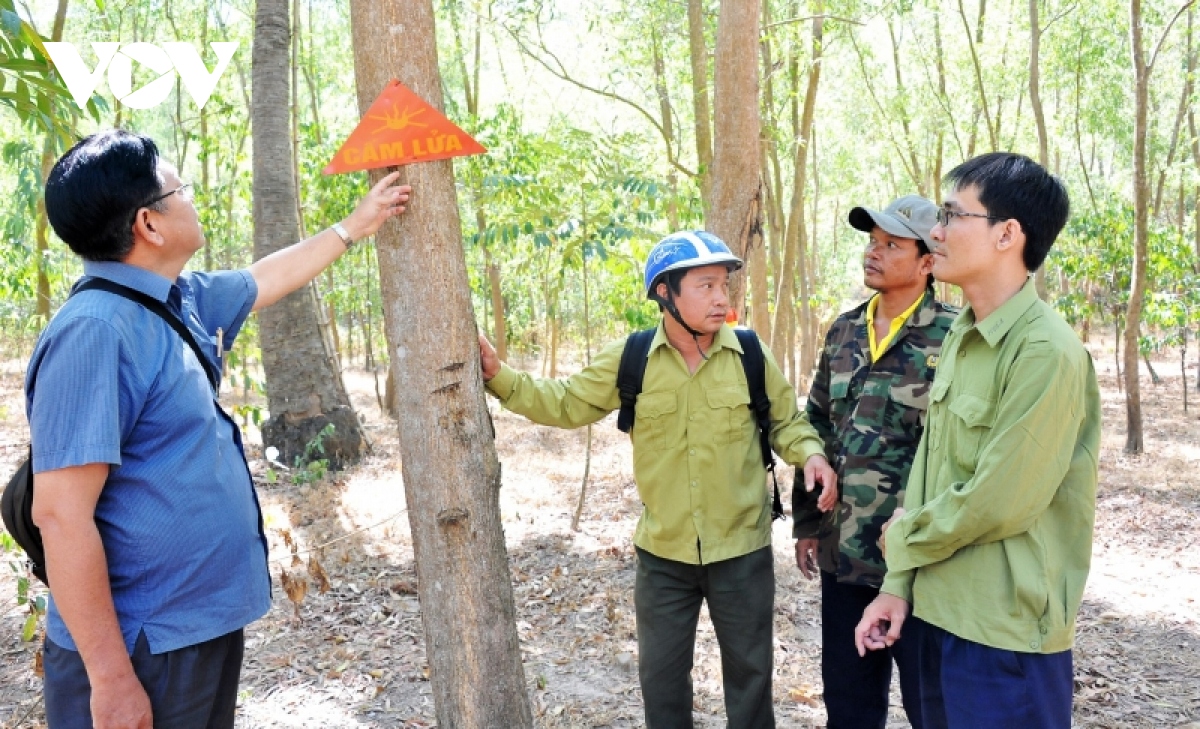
[[354, 655]]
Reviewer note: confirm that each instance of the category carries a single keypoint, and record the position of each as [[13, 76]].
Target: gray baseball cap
[[911, 216]]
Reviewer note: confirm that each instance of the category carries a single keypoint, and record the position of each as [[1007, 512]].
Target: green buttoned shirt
[[997, 539], [696, 455]]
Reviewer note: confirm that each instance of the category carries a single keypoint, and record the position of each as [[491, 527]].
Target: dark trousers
[[992, 688], [741, 601], [190, 688], [856, 689]]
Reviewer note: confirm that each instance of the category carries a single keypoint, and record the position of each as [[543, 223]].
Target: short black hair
[[674, 279], [922, 251], [96, 188], [1014, 186]]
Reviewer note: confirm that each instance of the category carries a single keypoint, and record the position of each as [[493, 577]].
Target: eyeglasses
[[184, 191], [945, 215]]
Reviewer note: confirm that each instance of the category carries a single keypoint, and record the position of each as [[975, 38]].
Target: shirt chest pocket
[[839, 397], [728, 416], [653, 413], [908, 399], [971, 421]]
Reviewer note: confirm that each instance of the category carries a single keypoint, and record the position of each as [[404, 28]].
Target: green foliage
[[306, 468], [309, 468], [577, 181], [29, 86]]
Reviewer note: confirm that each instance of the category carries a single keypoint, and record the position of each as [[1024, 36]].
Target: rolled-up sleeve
[[583, 398], [224, 300], [792, 436]]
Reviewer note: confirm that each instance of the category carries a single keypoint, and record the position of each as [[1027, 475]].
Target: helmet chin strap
[[669, 304]]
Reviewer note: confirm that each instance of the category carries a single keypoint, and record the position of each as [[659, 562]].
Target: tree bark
[[471, 96], [736, 212], [700, 107], [305, 393], [1141, 200], [451, 473], [981, 102], [42, 226], [796, 238], [1035, 103]]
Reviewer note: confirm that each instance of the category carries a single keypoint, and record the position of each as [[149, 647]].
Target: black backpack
[[633, 369], [16, 504]]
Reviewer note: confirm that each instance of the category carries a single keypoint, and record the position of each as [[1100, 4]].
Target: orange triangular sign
[[401, 128]]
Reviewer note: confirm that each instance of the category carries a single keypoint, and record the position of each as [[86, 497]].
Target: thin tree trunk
[[981, 101], [42, 226], [1143, 69], [736, 214], [700, 108], [795, 241], [304, 385], [1039, 117], [902, 111], [471, 93], [1141, 201], [451, 473], [1183, 365], [587, 360], [1083, 165]]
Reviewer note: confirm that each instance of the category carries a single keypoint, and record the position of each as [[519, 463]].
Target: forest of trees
[[610, 123]]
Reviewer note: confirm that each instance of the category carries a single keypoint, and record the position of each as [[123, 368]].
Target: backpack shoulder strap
[[156, 306], [755, 365], [630, 374]]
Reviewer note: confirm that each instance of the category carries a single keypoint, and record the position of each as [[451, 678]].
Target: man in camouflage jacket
[[868, 403]]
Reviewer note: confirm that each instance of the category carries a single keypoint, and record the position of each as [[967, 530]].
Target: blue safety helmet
[[687, 249]]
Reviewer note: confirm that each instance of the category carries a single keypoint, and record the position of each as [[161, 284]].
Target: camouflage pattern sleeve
[[806, 518]]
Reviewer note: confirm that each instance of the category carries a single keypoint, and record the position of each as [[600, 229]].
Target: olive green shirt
[[997, 539], [696, 455]]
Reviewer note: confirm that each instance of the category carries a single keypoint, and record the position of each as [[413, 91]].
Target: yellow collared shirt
[[878, 348]]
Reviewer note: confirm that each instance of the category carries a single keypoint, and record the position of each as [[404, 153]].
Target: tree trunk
[[1035, 103], [304, 384], [981, 102], [1083, 166], [700, 109], [42, 226], [499, 328], [451, 473], [1141, 201], [736, 212], [795, 250]]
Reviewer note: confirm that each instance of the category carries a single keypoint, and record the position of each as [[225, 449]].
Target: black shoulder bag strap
[[630, 374], [755, 365], [156, 306]]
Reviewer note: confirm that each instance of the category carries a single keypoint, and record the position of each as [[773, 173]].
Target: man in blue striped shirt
[[152, 530]]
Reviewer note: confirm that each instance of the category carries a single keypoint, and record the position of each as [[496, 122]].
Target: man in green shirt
[[992, 549], [705, 529]]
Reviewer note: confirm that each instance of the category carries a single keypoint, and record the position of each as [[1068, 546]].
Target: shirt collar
[[138, 279], [925, 313], [1000, 321], [726, 338]]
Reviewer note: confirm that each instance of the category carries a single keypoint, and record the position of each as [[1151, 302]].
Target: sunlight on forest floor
[[355, 655]]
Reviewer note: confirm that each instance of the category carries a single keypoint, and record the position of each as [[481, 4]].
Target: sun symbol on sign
[[398, 120]]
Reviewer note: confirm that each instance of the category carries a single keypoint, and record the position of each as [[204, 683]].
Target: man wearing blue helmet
[[705, 529]]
